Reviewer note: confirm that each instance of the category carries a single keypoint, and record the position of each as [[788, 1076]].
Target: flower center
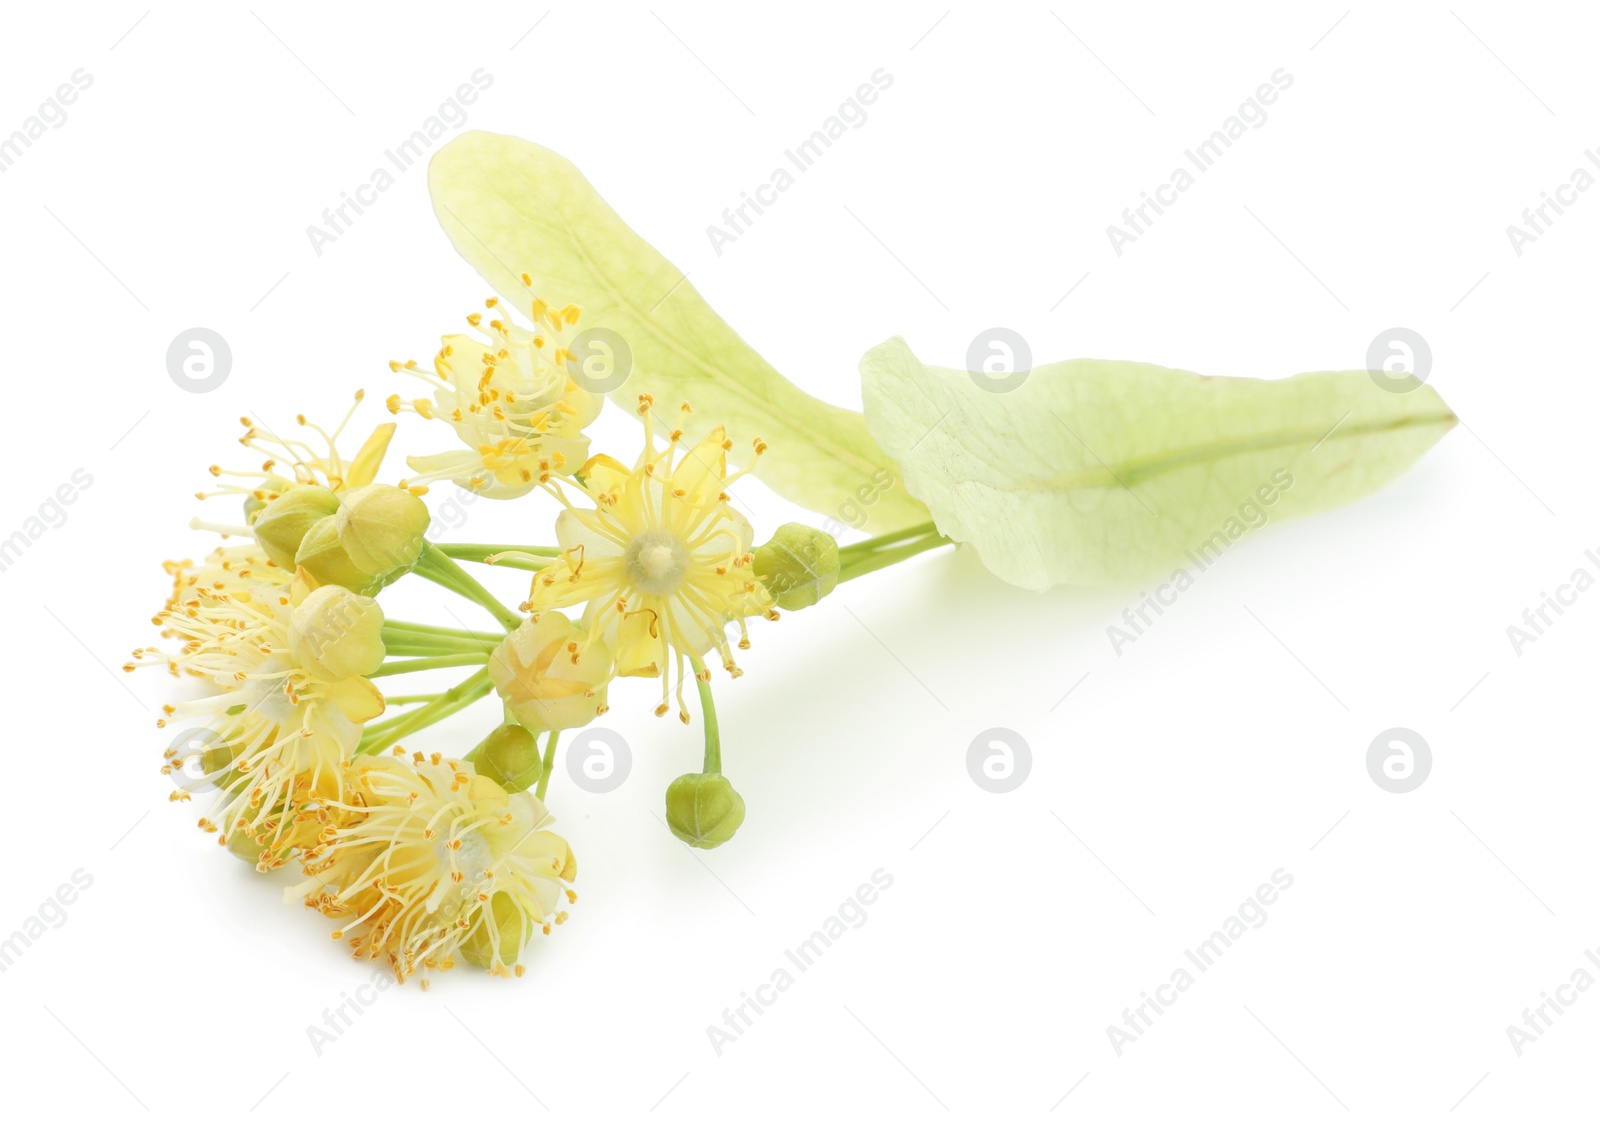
[[656, 562]]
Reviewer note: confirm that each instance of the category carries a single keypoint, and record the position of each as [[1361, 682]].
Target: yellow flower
[[228, 569], [548, 677], [291, 462], [662, 560], [434, 861], [296, 487], [509, 398], [283, 714]]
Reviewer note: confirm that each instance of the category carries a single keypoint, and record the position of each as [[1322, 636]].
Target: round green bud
[[323, 556], [243, 845], [275, 485], [335, 634], [799, 566], [280, 524], [703, 809], [373, 539], [510, 757], [508, 922], [381, 527]]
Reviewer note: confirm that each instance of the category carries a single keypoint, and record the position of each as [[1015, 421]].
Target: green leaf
[[1097, 472], [511, 207]]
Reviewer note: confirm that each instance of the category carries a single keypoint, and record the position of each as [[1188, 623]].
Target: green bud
[[509, 922], [381, 527], [243, 845], [799, 566], [323, 556], [280, 524], [510, 757], [373, 539], [276, 485], [703, 809], [335, 634]]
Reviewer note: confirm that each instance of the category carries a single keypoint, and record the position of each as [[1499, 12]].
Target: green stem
[[871, 545], [401, 666], [437, 567], [435, 630], [407, 699], [379, 737], [447, 647], [702, 681], [858, 567], [548, 765], [412, 643]]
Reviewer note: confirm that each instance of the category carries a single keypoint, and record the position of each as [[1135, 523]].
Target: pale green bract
[[1096, 472], [511, 207]]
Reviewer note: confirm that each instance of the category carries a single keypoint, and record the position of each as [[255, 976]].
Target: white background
[[1228, 742]]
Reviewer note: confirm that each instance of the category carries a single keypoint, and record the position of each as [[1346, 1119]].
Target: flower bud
[[381, 527], [281, 523], [510, 757], [335, 634], [374, 538], [273, 485], [703, 809], [551, 674], [323, 560], [799, 566], [509, 923], [243, 845]]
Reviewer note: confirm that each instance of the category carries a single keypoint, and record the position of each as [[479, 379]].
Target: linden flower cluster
[[286, 730]]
